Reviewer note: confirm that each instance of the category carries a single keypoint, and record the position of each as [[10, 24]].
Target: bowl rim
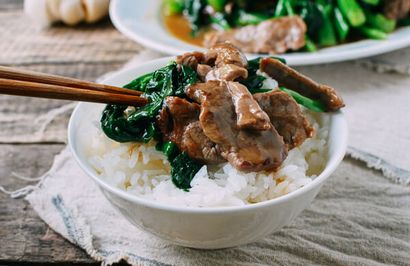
[[332, 163]]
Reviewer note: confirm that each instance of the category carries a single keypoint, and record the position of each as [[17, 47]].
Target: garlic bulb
[[71, 12]]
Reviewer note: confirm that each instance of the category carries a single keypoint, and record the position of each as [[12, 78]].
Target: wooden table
[[84, 52]]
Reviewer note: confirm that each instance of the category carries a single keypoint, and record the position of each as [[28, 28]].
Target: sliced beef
[[293, 80], [199, 146], [178, 122], [396, 9], [225, 53], [191, 59], [203, 71], [272, 36], [286, 116], [248, 112], [246, 150], [227, 72]]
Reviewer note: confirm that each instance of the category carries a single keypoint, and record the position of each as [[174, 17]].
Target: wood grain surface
[[85, 52]]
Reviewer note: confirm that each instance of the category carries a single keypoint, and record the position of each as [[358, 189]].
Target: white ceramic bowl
[[141, 21], [207, 228]]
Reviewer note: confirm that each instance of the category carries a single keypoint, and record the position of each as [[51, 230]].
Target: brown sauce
[[179, 27]]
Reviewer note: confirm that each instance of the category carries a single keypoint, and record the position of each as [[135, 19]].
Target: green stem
[[341, 24], [310, 104], [352, 11], [372, 33]]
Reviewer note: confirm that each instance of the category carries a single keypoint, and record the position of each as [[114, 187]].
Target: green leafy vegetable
[[326, 34], [312, 16], [371, 2], [380, 22], [169, 148], [218, 19], [140, 124], [310, 104], [310, 46], [352, 11], [194, 11], [248, 18], [218, 5], [183, 170], [341, 24], [372, 33], [284, 8], [254, 82], [173, 7]]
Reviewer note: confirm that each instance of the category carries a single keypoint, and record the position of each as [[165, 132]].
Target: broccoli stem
[[310, 104], [372, 33], [310, 46], [342, 26], [352, 11], [326, 34], [380, 22]]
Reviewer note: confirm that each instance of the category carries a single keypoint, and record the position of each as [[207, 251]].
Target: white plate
[[141, 21]]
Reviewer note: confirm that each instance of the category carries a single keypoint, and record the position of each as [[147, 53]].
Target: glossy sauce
[[179, 27]]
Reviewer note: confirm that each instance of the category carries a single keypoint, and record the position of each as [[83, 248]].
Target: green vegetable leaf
[[183, 170], [169, 148], [140, 124], [310, 104], [254, 82], [194, 11]]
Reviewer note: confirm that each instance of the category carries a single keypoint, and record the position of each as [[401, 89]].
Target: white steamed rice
[[141, 170]]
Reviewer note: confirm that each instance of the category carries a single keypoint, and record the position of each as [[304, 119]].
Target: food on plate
[[219, 130], [259, 26]]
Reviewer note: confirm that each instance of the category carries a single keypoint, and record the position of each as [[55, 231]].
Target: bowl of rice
[[224, 207]]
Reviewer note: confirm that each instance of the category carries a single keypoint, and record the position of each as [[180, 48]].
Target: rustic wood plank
[[84, 52], [24, 236]]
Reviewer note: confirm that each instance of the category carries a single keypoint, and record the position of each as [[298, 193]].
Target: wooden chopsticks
[[27, 83]]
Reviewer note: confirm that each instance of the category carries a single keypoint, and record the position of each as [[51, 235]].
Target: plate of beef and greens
[[226, 151], [303, 32]]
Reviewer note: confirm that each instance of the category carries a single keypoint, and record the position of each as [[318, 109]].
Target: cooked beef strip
[[396, 9], [225, 53], [178, 122], [176, 114], [227, 72], [246, 150], [286, 116], [293, 80], [248, 112], [273, 36], [191, 59], [202, 71], [199, 146]]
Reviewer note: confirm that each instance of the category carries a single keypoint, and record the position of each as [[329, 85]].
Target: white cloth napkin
[[358, 217]]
